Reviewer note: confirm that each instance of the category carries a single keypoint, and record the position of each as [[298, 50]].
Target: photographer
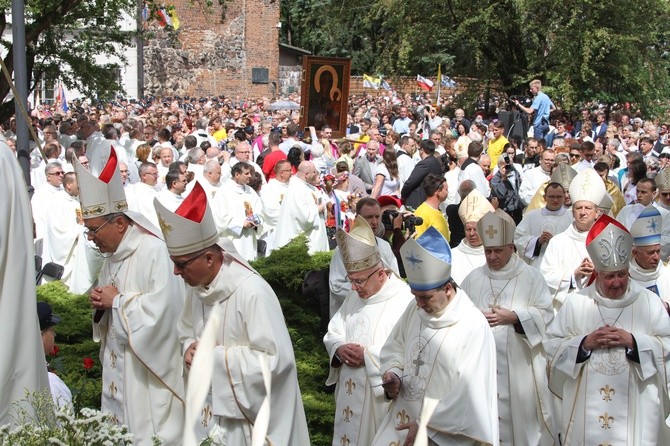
[[541, 107], [398, 225], [504, 188]]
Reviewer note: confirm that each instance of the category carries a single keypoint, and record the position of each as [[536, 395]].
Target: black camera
[[408, 222], [523, 100]]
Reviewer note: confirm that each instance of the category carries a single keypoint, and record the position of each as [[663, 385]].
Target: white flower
[[218, 435]]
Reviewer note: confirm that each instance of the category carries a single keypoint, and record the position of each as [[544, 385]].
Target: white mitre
[[191, 227], [427, 260], [587, 186], [473, 207], [609, 244], [101, 195], [496, 229], [358, 246]]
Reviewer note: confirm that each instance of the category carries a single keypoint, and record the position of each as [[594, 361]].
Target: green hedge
[[284, 270]]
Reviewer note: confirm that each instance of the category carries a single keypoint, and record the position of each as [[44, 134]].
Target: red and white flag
[[425, 84]]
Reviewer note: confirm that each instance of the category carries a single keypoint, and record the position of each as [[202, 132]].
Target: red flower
[[88, 363], [55, 351]]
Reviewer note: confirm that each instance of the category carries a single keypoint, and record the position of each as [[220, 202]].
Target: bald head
[[307, 172]]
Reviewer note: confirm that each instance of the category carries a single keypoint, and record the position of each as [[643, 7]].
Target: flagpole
[[439, 83]]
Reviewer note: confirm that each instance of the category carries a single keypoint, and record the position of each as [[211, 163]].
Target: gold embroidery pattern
[[606, 420], [604, 444], [395, 443], [402, 416], [112, 358], [344, 441], [607, 392], [206, 415], [491, 231], [92, 211], [350, 385], [348, 413], [112, 390], [165, 227]]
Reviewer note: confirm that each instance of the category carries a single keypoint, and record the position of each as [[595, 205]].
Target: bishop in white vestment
[[516, 302], [440, 350], [608, 352], [357, 332], [252, 333], [469, 254], [138, 301]]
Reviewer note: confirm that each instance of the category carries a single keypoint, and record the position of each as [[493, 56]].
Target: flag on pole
[[448, 82], [371, 82], [386, 86], [61, 99], [425, 84], [439, 81], [164, 18], [175, 19], [145, 13]]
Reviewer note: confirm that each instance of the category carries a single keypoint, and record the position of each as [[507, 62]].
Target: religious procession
[[496, 278]]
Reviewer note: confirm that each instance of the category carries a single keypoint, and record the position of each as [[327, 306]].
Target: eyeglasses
[[665, 194], [574, 155], [183, 265], [360, 283], [91, 233], [153, 174], [57, 173]]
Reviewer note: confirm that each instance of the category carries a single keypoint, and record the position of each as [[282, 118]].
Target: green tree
[[62, 39], [582, 49]]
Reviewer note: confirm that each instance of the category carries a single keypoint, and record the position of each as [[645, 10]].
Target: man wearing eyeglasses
[[138, 302], [358, 330], [43, 197], [140, 196]]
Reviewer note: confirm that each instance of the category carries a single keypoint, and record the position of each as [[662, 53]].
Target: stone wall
[[213, 55]]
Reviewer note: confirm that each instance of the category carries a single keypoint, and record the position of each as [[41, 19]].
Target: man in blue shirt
[[541, 107]]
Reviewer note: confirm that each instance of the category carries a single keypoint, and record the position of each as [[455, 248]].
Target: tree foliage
[[582, 49], [62, 39]]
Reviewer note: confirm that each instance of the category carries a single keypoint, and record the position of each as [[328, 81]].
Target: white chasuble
[[252, 324], [609, 398], [524, 401], [450, 357], [359, 398], [464, 259], [142, 383]]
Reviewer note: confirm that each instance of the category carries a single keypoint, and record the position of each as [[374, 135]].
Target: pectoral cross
[[417, 363]]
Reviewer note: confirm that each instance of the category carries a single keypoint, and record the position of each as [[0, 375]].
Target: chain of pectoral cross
[[418, 362]]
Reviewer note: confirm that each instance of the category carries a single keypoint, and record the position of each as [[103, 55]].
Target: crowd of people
[[533, 306]]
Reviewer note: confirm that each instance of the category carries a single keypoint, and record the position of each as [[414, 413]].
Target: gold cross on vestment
[[491, 231]]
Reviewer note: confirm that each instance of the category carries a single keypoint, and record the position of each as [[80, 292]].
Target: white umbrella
[[284, 105]]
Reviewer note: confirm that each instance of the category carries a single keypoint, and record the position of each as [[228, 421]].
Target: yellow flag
[[175, 19]]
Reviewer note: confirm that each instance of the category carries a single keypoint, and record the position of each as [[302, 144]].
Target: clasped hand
[[608, 337]]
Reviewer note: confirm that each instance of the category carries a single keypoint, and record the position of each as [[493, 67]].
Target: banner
[[425, 84]]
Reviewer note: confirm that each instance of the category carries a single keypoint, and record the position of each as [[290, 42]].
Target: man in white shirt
[[532, 179], [43, 198], [171, 195], [272, 195]]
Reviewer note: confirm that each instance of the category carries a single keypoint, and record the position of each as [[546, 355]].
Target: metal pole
[[21, 81], [140, 50]]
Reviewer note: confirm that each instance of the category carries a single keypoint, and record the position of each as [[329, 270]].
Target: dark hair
[[171, 177], [240, 167], [365, 201], [475, 149], [428, 146], [637, 171], [432, 183], [390, 160], [553, 185], [295, 156]]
